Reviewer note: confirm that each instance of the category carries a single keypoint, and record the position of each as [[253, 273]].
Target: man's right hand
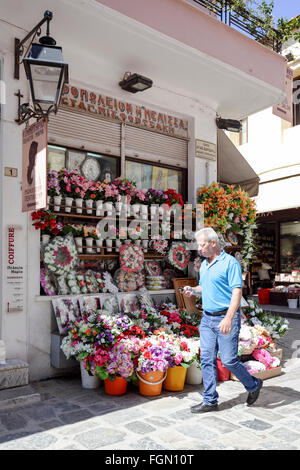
[[188, 291]]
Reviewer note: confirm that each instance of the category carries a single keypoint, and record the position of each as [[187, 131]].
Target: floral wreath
[[46, 282], [131, 258], [60, 255], [153, 268], [179, 256]]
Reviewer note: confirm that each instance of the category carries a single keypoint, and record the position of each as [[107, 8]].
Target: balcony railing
[[243, 20]]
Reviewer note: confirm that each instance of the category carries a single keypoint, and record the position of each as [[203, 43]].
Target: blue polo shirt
[[218, 280]]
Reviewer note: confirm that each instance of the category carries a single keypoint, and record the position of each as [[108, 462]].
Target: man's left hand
[[225, 326]]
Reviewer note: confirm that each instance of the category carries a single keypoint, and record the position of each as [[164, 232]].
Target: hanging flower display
[[179, 256], [131, 258], [60, 255]]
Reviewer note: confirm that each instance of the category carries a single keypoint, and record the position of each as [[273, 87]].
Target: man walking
[[221, 288]]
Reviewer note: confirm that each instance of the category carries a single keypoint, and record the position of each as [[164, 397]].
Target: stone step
[[18, 396]]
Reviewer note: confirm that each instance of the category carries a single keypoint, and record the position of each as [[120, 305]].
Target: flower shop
[[104, 270]]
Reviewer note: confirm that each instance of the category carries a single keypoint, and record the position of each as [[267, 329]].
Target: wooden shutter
[[155, 147], [80, 129]]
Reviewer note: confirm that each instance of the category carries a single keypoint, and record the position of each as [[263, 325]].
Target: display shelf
[[48, 298]]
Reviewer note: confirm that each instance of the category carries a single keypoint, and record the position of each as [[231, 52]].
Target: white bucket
[[88, 381], [293, 303], [193, 375]]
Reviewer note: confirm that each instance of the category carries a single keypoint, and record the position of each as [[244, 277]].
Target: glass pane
[[290, 246], [56, 157], [149, 176], [45, 81], [108, 167]]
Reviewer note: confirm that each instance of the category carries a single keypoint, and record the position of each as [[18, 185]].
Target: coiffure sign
[[123, 111]]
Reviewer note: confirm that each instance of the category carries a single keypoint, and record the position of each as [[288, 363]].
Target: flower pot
[[89, 241], [48, 202], [57, 203], [118, 244], [89, 206], [153, 211], [115, 387], [119, 207], [175, 379], [68, 204], [109, 207], [45, 239], [78, 242], [150, 383], [292, 303], [193, 374], [135, 210], [145, 245], [99, 244], [109, 245], [99, 207], [223, 373], [144, 211], [78, 202], [88, 381]]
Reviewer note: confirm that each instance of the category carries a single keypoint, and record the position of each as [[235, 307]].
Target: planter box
[[14, 373], [266, 374], [277, 353]]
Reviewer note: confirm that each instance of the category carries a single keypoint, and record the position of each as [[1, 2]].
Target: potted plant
[[151, 367]]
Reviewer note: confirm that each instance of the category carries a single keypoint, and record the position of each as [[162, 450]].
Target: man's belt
[[216, 314]]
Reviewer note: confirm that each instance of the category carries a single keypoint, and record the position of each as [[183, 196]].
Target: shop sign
[[34, 166], [205, 149], [14, 290], [123, 111], [284, 110]]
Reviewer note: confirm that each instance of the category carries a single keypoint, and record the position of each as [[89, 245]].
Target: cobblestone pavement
[[69, 418]]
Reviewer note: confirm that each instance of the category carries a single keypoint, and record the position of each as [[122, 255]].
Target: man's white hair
[[209, 233]]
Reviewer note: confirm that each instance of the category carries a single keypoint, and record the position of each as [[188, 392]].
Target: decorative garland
[[131, 258], [179, 256]]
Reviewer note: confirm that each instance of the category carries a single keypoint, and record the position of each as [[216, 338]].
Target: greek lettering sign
[[34, 166], [123, 111], [284, 110]]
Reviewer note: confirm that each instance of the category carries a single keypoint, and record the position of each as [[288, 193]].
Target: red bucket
[[263, 296], [223, 373]]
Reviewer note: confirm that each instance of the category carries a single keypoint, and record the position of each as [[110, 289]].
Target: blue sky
[[286, 9]]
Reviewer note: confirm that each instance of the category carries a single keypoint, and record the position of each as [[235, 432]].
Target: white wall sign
[[205, 149], [14, 270]]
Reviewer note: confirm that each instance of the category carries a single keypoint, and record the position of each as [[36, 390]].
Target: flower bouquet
[[46, 221], [276, 326]]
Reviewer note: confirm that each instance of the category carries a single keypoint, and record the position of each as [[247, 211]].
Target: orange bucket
[[150, 383], [175, 379], [115, 387]]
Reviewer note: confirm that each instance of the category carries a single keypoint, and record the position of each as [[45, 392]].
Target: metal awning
[[233, 169]]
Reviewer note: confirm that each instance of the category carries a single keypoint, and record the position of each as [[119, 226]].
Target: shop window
[[93, 166], [160, 178], [290, 246], [296, 102]]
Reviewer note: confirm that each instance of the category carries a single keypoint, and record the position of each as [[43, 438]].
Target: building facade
[[200, 68]]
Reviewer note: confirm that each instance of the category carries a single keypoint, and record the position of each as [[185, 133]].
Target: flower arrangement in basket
[[276, 326], [231, 209]]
